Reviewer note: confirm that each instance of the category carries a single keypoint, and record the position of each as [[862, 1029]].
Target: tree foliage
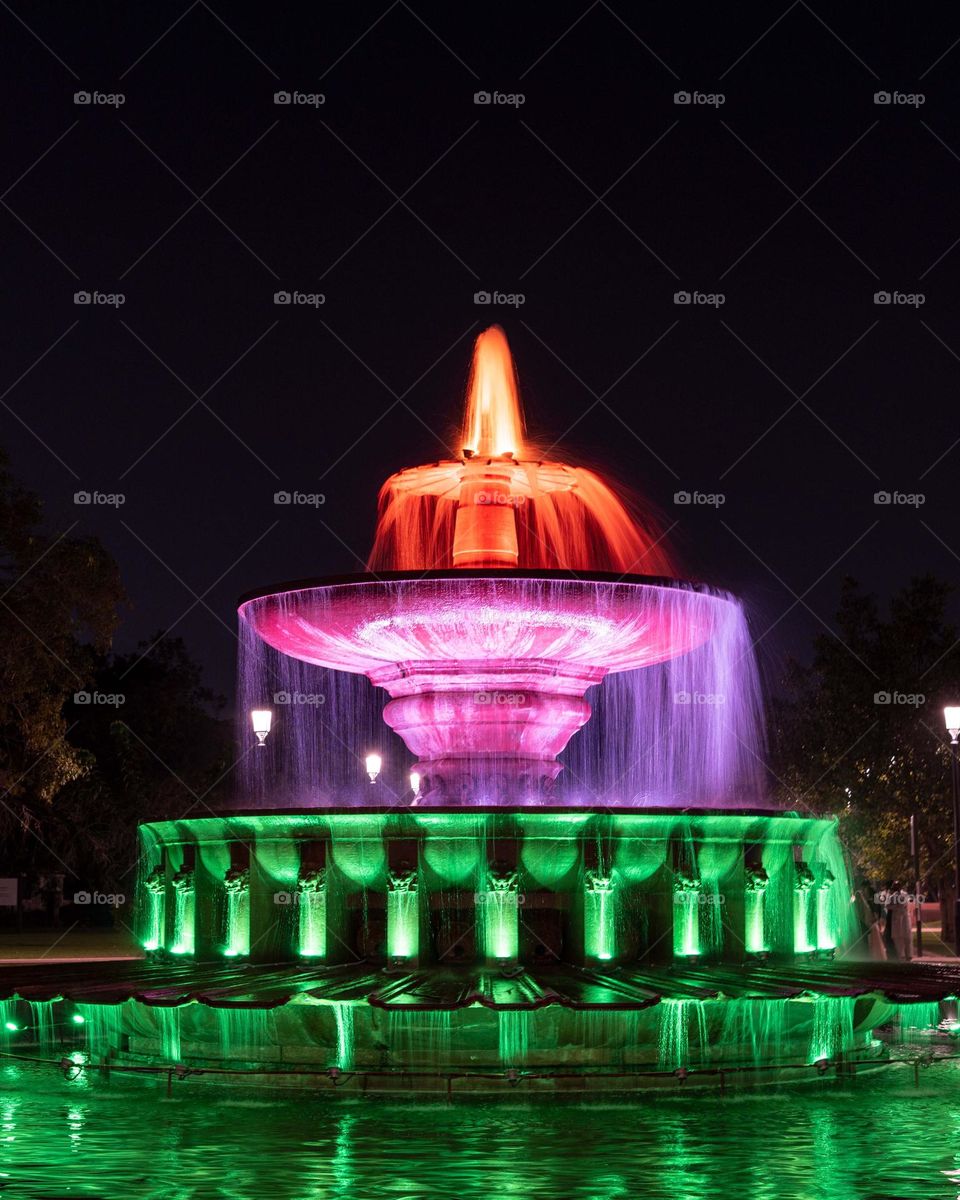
[[60, 596], [78, 775], [164, 752], [860, 732]]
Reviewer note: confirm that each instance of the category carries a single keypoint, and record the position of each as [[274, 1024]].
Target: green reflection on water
[[124, 1137]]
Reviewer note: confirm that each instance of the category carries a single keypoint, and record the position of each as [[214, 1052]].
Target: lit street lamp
[[373, 764], [951, 716], [262, 719]]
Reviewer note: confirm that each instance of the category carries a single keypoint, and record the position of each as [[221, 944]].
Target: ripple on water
[[125, 1138]]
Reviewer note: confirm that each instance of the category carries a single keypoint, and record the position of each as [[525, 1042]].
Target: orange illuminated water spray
[[499, 506], [493, 426], [485, 531]]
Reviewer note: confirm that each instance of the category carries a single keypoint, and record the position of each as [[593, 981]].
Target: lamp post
[[373, 763], [261, 718], [951, 716]]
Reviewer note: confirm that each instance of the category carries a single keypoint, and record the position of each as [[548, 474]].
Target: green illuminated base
[[417, 887], [364, 1048], [496, 895]]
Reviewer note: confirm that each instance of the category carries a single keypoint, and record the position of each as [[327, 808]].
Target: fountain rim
[[366, 578], [485, 810]]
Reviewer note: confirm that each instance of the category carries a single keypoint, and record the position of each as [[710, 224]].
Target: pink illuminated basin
[[381, 625], [485, 664]]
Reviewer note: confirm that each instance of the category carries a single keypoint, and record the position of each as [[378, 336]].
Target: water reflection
[[126, 1138]]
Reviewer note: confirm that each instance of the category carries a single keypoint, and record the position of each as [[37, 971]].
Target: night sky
[[398, 198]]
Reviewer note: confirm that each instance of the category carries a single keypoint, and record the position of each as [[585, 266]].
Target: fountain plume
[[500, 504]]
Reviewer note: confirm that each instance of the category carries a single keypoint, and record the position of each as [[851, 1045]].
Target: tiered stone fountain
[[502, 921]]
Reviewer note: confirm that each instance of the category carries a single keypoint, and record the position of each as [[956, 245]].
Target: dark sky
[[398, 198]]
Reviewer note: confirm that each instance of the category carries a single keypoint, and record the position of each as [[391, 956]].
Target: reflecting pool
[[126, 1137]]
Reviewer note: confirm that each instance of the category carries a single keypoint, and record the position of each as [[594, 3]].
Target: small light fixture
[[11, 1026], [415, 782], [78, 1019], [951, 717], [822, 1065], [373, 764], [262, 718]]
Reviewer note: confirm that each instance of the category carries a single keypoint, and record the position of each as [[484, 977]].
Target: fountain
[[547, 860]]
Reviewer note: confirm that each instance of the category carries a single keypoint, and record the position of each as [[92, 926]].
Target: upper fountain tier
[[502, 503], [501, 587]]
